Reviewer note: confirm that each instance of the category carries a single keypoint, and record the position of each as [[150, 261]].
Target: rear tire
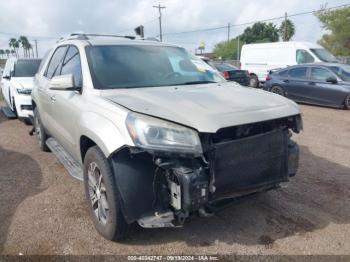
[[254, 81], [103, 197], [277, 90], [347, 102], [40, 131]]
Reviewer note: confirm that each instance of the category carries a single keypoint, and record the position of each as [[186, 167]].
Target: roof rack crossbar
[[82, 36]]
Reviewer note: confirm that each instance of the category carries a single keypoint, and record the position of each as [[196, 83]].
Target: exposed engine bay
[[162, 190]]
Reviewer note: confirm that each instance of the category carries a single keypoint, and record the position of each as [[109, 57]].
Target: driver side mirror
[[63, 83], [332, 80]]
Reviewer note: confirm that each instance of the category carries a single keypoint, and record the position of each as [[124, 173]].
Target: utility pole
[[228, 32], [36, 48], [238, 48], [285, 26], [160, 20]]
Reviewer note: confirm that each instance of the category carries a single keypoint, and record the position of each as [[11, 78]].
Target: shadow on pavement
[[20, 177], [317, 196]]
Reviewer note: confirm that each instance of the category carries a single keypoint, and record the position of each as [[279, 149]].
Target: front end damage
[[163, 189]]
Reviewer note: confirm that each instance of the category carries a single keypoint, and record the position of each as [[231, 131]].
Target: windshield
[[26, 68], [323, 55], [342, 71], [146, 66]]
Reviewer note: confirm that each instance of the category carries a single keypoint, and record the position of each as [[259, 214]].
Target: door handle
[[286, 81], [53, 98]]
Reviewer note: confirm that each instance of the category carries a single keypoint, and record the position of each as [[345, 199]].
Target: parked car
[[326, 84], [232, 73], [259, 59], [156, 134], [17, 84]]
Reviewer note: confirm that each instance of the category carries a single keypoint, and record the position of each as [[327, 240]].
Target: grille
[[251, 162]]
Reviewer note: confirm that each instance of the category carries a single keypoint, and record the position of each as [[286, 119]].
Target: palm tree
[[7, 51], [13, 52], [14, 44], [2, 52], [29, 48], [24, 43]]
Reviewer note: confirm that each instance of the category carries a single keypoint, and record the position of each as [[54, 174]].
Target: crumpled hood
[[207, 107], [23, 82]]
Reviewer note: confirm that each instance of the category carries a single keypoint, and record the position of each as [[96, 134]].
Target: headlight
[[23, 91], [159, 135]]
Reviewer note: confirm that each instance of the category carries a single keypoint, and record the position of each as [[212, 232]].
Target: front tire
[[277, 90], [40, 131], [103, 197], [347, 103]]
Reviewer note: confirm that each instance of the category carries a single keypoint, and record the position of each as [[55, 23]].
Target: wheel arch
[[98, 130]]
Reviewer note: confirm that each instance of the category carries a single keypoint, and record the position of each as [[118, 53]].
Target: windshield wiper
[[195, 83]]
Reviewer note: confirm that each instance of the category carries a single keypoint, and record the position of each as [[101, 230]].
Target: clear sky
[[45, 20]]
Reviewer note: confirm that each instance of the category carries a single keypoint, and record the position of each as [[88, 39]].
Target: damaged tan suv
[[155, 133]]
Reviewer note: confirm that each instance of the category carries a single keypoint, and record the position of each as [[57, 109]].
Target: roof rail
[[151, 39], [83, 36]]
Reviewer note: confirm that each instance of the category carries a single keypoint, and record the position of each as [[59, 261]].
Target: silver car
[[155, 133]]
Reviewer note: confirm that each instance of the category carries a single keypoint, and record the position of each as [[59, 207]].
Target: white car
[[259, 59], [17, 84]]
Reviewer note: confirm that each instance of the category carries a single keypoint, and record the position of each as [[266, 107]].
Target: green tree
[[14, 44], [286, 30], [227, 49], [337, 23], [25, 45], [260, 33], [7, 51], [2, 53]]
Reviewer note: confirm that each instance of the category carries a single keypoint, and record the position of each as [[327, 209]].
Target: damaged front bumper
[[163, 190]]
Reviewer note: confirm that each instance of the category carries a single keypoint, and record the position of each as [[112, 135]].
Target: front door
[[65, 104]]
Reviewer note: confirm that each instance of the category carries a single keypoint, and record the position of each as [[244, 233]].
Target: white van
[[259, 59]]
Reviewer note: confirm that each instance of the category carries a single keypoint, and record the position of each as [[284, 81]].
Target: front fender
[[107, 136]]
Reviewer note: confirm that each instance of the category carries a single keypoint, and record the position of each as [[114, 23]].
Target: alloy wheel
[[98, 193], [347, 102], [253, 82]]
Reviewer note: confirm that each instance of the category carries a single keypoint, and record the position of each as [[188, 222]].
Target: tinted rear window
[[224, 67], [283, 73], [299, 72], [26, 68]]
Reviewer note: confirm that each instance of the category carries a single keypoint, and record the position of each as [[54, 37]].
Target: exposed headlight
[[23, 91], [159, 135]]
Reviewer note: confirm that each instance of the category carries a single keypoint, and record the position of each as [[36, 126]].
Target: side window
[[299, 72], [320, 74], [53, 68], [303, 56], [283, 73], [43, 60], [72, 65]]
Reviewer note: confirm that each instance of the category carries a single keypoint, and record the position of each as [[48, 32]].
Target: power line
[[160, 20], [252, 22]]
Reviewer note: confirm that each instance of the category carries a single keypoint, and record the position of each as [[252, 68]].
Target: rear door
[[324, 92], [296, 84]]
